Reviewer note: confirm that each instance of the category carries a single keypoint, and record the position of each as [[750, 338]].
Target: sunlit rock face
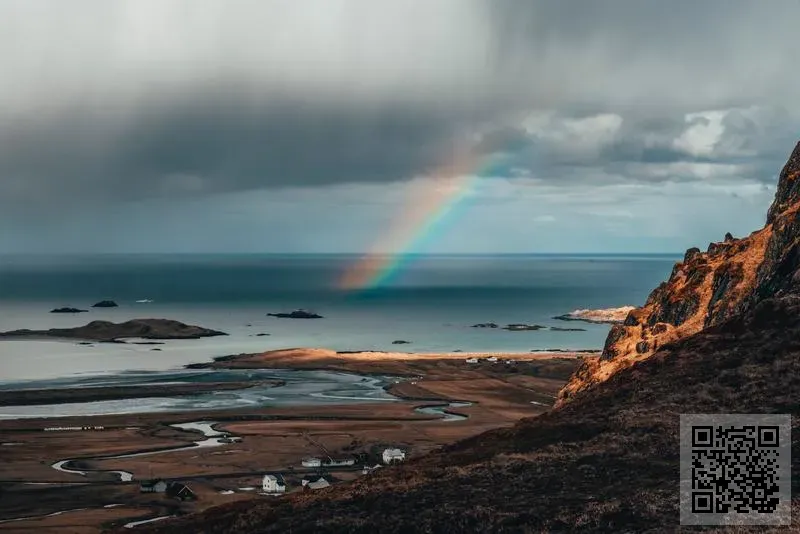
[[708, 288]]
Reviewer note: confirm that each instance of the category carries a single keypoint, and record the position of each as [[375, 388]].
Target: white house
[[393, 455], [492, 359], [472, 360], [273, 484], [315, 484], [311, 462]]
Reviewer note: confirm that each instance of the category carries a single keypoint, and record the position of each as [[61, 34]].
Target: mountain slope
[[708, 288], [608, 461], [722, 335]]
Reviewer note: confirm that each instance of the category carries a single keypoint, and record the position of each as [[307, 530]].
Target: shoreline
[[304, 357]]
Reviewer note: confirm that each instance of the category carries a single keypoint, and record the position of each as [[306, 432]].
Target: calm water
[[432, 303]]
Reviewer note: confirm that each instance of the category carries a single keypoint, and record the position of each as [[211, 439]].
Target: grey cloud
[[133, 99], [215, 145]]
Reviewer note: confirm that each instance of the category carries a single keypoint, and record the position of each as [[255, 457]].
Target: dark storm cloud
[[217, 145], [128, 100]]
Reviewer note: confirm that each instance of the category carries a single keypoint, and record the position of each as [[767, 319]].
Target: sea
[[432, 302]]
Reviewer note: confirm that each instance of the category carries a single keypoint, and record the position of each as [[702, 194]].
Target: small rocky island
[[516, 327], [105, 331], [606, 315], [297, 314], [523, 327], [68, 310], [105, 304]]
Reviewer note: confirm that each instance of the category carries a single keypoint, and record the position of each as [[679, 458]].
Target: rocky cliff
[[708, 288]]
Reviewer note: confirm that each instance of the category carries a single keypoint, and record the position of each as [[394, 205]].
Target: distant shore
[[376, 362]]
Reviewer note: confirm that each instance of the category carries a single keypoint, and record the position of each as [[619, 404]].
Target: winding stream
[[144, 521], [441, 410], [216, 438], [212, 436]]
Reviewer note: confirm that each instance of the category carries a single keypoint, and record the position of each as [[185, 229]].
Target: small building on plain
[[472, 360], [391, 456], [315, 483], [273, 484], [311, 462], [180, 491], [153, 486]]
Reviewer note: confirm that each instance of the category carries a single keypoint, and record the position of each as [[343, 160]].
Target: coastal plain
[[487, 391]]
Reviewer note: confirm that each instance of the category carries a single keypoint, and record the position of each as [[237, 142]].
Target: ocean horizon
[[432, 302]]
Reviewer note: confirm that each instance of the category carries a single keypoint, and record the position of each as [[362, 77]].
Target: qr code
[[735, 469]]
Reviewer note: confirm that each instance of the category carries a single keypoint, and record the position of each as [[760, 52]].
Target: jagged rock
[[105, 304], [690, 254], [632, 319], [726, 277], [297, 314], [642, 347], [485, 325], [658, 328], [788, 192], [68, 310], [728, 237], [616, 333]]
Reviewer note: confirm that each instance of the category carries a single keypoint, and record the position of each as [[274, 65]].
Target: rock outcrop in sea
[[519, 327], [108, 332], [105, 304], [68, 310], [297, 314], [708, 287]]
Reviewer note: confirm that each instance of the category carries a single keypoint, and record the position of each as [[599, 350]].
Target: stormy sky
[[286, 126]]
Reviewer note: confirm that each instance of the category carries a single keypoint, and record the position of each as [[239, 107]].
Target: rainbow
[[422, 218]]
